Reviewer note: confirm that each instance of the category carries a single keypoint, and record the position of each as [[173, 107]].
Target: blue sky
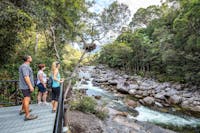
[[134, 5]]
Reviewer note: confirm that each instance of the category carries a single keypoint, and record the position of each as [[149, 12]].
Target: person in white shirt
[[42, 84]]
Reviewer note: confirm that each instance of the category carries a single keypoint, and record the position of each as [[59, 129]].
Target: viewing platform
[[12, 122]]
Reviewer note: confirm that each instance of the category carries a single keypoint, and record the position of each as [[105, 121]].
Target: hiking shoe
[[21, 112], [31, 117]]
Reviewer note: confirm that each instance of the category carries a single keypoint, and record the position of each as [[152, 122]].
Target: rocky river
[[138, 105]]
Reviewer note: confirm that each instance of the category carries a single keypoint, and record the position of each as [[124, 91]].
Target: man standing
[[26, 84]]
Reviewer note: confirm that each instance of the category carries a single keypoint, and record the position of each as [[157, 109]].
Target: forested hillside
[[160, 41]]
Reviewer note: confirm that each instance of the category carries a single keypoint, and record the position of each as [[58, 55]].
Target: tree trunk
[[54, 43], [36, 43], [72, 74]]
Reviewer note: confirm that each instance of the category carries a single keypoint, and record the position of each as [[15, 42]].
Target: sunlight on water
[[146, 114]]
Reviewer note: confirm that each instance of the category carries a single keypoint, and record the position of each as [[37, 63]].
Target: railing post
[[16, 93]]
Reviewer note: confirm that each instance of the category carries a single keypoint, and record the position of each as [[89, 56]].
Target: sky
[[134, 5]]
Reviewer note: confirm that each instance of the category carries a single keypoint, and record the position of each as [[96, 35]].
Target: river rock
[[171, 92], [175, 99], [160, 96], [84, 82], [187, 95], [149, 101], [145, 93], [113, 82], [185, 105], [133, 86], [158, 104], [84, 123], [131, 103], [102, 80], [123, 88], [132, 92], [195, 108]]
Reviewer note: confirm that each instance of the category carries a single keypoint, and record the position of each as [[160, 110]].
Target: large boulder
[[84, 123], [113, 82], [160, 96], [175, 99], [131, 103], [132, 92], [133, 86], [149, 101]]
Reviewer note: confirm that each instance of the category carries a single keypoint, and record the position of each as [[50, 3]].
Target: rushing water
[[145, 114]]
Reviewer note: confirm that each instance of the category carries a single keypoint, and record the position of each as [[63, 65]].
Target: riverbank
[[166, 97], [107, 85]]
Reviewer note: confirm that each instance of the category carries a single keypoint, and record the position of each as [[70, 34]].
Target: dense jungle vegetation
[[165, 43]]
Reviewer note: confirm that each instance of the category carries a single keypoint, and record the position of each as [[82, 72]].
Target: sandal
[[21, 112], [31, 117]]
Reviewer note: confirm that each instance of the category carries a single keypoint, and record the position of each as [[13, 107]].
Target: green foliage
[[13, 21], [85, 104], [88, 105], [26, 28], [101, 114]]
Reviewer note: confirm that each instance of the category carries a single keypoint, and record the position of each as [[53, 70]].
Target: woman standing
[[41, 84], [56, 84]]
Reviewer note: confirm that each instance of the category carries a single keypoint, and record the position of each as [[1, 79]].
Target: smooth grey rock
[[175, 99], [149, 100]]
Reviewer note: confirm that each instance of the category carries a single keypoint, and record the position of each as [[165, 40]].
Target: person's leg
[[53, 98], [26, 106], [22, 109], [57, 94], [55, 105], [44, 97], [39, 97]]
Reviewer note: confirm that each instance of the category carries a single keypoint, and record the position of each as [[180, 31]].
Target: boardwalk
[[12, 122]]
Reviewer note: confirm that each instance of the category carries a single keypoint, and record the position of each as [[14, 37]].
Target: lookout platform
[[12, 122]]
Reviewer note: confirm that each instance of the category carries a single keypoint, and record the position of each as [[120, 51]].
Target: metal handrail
[[59, 121], [9, 92]]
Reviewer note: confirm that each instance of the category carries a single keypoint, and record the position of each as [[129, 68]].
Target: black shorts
[[55, 93], [26, 93], [41, 88]]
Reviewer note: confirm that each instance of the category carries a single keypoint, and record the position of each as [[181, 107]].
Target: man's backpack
[[50, 82]]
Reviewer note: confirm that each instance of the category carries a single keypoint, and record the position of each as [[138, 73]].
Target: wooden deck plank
[[12, 122]]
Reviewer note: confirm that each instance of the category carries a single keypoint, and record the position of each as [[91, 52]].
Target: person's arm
[[28, 82]]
